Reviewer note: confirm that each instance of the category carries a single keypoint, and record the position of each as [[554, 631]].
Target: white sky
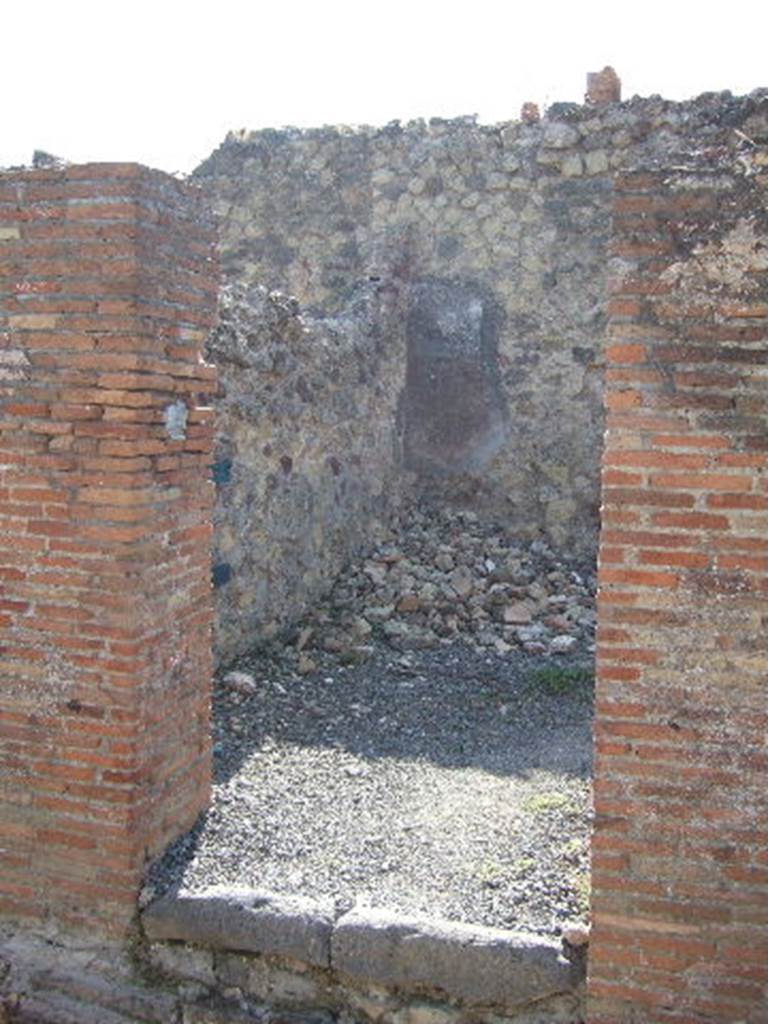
[[162, 82]]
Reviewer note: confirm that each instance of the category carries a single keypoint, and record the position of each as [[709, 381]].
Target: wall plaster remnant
[[175, 417]]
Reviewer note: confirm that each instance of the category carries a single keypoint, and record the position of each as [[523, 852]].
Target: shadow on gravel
[[447, 780], [450, 706]]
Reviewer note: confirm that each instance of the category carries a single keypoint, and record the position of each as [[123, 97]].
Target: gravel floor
[[450, 782]]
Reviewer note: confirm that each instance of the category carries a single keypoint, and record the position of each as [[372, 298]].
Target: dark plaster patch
[[453, 409]]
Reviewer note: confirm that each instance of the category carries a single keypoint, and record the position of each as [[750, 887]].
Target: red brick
[[641, 577], [655, 459], [621, 478], [697, 440], [691, 521], [629, 352], [750, 562], [676, 703], [88, 517], [623, 672], [631, 375], [683, 559], [632, 655], [737, 501], [618, 401], [623, 307], [703, 481]]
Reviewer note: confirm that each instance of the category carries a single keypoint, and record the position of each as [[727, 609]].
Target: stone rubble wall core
[[306, 460], [470, 264]]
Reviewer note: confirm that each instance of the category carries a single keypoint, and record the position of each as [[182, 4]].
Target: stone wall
[[238, 956], [307, 450], [679, 866], [497, 239]]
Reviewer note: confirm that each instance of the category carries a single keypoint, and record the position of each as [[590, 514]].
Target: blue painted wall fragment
[[222, 573], [221, 471]]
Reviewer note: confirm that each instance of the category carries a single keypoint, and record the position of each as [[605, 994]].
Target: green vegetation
[[573, 849], [490, 874], [541, 802], [582, 887], [566, 680], [524, 866]]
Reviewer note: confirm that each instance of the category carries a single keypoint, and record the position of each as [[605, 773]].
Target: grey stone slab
[[216, 1011], [182, 962], [486, 966], [114, 996], [54, 1008], [247, 921]]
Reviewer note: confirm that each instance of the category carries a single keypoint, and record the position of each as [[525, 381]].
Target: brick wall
[[107, 291], [680, 869]]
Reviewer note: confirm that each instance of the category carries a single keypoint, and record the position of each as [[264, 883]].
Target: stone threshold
[[468, 964]]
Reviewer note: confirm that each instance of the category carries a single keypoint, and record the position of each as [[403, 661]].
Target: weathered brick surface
[[603, 86], [107, 291], [680, 876]]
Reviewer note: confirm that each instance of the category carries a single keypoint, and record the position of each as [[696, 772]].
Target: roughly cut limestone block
[[191, 964], [597, 161], [245, 920], [216, 1011], [474, 964], [556, 135]]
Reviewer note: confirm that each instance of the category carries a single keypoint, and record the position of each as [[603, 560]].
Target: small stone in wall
[[426, 1013], [597, 162], [378, 613], [517, 614], [562, 644], [444, 561], [572, 166], [147, 894], [376, 571], [305, 635], [462, 581], [558, 135]]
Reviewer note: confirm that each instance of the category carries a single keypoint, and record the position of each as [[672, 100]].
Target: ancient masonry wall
[[107, 292], [453, 282], [108, 288], [237, 956], [495, 249], [495, 239], [680, 862], [306, 454]]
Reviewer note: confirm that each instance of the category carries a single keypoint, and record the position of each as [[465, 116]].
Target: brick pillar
[[107, 291], [603, 87], [680, 869]]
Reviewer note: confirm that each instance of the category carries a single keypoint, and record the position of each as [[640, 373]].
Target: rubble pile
[[441, 576]]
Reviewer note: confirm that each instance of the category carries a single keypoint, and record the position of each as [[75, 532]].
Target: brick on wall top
[[603, 86]]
